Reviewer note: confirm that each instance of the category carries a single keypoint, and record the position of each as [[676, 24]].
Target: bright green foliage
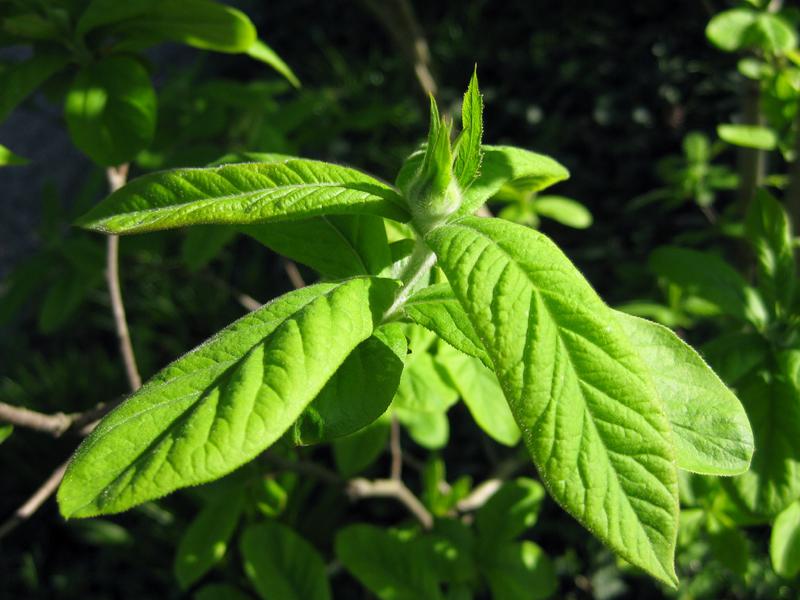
[[749, 136], [111, 110], [769, 232], [205, 541], [741, 28], [222, 404], [437, 309], [710, 428], [468, 147], [564, 210], [784, 545], [240, 194], [8, 158], [583, 400], [261, 51], [5, 432], [478, 387], [515, 331], [282, 565]]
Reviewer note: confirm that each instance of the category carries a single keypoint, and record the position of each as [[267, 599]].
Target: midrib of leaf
[[538, 295]]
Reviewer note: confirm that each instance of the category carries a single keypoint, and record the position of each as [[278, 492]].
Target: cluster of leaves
[[90, 53], [609, 406]]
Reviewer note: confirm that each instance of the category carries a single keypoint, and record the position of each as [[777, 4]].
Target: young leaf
[[260, 51], [523, 170], [359, 392], [564, 210], [509, 512], [205, 541], [9, 159], [520, 571], [773, 406], [389, 566], [5, 432], [767, 228], [583, 400], [710, 429], [482, 394], [225, 402], [199, 23], [431, 430], [242, 193], [111, 110], [425, 386], [336, 246], [784, 543], [748, 136], [710, 278], [282, 565], [728, 30], [437, 309], [468, 147], [20, 80]]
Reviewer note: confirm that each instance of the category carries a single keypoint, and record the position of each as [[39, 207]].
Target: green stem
[[419, 264]]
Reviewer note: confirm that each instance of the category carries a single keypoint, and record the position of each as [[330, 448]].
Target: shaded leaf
[[784, 544]]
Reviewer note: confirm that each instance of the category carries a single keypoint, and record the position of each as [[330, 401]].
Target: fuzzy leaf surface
[[222, 404], [583, 400], [710, 428], [242, 194]]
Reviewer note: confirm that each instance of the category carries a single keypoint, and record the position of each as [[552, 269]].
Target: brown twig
[[32, 504], [116, 179], [294, 274], [391, 488], [56, 424], [395, 450]]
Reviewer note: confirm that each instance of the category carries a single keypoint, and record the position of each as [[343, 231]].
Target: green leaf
[[773, 34], [519, 571], [468, 147], [205, 541], [241, 194], [261, 52], [588, 412], [425, 386], [749, 136], [709, 277], [481, 392], [336, 246], [390, 567], [784, 543], [431, 430], [198, 23], [111, 110], [354, 453], [773, 406], [512, 510], [728, 30], [515, 168], [282, 565], [220, 591], [768, 229], [20, 80], [222, 404], [9, 159], [711, 433], [359, 392], [107, 12], [5, 432], [438, 310], [564, 210], [518, 170]]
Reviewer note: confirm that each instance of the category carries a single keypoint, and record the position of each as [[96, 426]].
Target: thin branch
[[56, 424], [116, 179], [391, 488], [479, 496], [294, 274], [32, 504]]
